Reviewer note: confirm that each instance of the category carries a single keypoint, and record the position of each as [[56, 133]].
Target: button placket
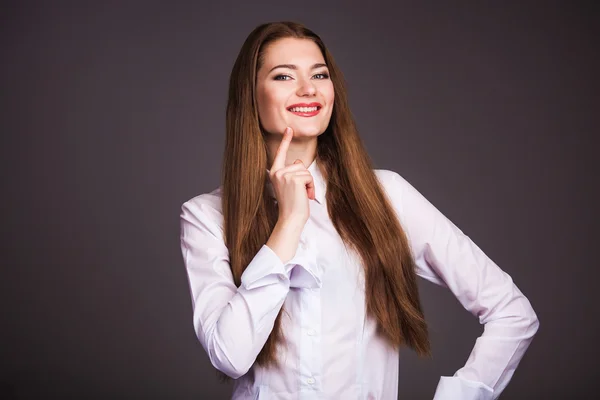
[[310, 343]]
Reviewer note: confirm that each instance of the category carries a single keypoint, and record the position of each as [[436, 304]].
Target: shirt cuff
[[454, 387], [265, 269], [304, 272]]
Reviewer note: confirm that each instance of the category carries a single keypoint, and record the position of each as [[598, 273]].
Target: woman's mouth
[[305, 110]]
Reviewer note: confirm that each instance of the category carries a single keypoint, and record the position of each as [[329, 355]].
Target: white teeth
[[303, 109]]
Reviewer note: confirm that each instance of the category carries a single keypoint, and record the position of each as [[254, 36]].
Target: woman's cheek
[[274, 120], [279, 114]]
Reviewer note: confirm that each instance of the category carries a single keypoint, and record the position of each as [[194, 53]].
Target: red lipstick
[[305, 109]]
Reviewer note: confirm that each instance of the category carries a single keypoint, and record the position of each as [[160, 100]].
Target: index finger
[[279, 160]]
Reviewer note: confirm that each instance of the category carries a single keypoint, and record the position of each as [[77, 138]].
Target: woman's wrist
[[285, 238], [291, 226]]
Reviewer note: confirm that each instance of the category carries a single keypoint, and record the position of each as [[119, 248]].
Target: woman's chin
[[306, 132]]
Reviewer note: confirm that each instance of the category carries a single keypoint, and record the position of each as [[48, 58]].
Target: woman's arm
[[446, 256], [234, 323]]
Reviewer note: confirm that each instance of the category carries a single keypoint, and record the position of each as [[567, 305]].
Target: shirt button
[[310, 381], [310, 332], [303, 245]]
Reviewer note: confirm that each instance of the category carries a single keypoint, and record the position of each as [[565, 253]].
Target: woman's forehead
[[300, 52]]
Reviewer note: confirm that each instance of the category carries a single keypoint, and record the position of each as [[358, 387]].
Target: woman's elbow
[[526, 316], [232, 362], [534, 323], [526, 319], [230, 366]]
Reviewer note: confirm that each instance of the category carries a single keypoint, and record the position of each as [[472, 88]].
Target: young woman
[[303, 264]]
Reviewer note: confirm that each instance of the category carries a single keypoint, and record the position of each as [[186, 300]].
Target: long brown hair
[[358, 206]]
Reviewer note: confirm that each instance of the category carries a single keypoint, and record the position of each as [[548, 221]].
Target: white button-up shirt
[[332, 350]]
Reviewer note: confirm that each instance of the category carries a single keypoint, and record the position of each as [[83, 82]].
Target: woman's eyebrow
[[292, 66]]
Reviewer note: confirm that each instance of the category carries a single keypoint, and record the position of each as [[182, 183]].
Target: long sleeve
[[446, 256], [232, 323]]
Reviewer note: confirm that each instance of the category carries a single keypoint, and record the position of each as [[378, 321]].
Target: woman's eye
[[282, 77], [322, 76]]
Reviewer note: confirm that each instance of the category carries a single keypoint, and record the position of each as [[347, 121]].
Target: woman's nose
[[307, 88]]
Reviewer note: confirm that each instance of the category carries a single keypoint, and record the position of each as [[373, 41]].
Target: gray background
[[113, 116]]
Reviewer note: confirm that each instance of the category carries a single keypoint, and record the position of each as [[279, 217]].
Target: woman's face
[[293, 88]]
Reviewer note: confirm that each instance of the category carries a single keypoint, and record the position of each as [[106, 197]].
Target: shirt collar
[[319, 181]]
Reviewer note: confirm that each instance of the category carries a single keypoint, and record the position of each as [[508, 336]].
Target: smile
[[305, 110]]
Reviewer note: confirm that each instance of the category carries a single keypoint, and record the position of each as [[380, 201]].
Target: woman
[[302, 266]]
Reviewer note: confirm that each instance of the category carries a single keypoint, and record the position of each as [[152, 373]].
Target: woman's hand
[[293, 185]]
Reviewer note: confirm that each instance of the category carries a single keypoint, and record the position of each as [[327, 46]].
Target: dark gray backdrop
[[113, 115]]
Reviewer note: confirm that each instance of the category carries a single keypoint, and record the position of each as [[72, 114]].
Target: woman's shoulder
[[398, 189], [205, 206], [385, 175], [391, 181], [212, 198]]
